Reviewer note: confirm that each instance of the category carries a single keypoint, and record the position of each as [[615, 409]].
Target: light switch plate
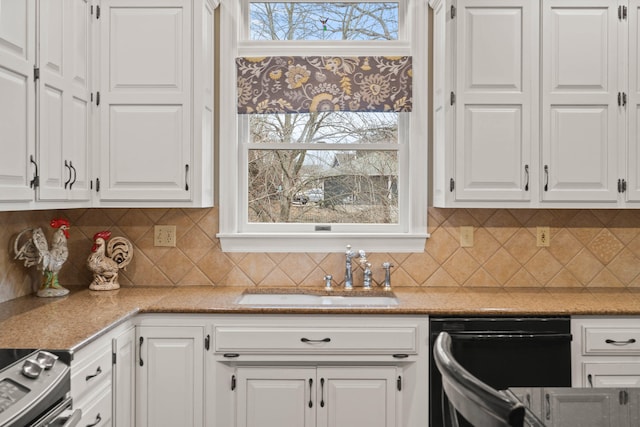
[[164, 235], [543, 236]]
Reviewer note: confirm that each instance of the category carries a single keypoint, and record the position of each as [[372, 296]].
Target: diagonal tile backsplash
[[588, 248]]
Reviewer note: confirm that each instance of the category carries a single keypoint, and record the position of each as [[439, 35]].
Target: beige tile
[[420, 267], [502, 266], [605, 279], [522, 245], [584, 266], [605, 246], [584, 226], [625, 225], [441, 278], [195, 277], [480, 278], [215, 265], [481, 215], [441, 245], [256, 266], [297, 266], [564, 246], [564, 279], [195, 244], [399, 277], [236, 277], [543, 266], [484, 245], [522, 279], [277, 278], [502, 225], [625, 266], [461, 266], [175, 265]]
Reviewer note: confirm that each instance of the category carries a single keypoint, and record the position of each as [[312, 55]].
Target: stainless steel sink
[[289, 298]]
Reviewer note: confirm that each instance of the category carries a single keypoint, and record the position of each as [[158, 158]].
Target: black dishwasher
[[503, 352]]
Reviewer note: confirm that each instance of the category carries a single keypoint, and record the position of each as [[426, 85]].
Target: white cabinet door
[[63, 94], [494, 98], [633, 105], [145, 106], [611, 374], [170, 376], [124, 350], [575, 408], [17, 102], [357, 396], [580, 113], [276, 397]]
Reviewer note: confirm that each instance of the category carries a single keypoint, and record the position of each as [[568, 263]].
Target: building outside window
[[323, 131]]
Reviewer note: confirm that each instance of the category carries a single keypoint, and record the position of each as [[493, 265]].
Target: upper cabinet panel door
[[17, 99], [580, 112], [495, 85], [633, 105], [63, 99], [145, 110]]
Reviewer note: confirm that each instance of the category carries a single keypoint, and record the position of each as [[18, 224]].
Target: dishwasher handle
[[501, 336]]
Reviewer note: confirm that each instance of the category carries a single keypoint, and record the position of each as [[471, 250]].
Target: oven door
[[59, 416]]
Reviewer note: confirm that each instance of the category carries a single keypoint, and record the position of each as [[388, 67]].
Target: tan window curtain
[[301, 84]]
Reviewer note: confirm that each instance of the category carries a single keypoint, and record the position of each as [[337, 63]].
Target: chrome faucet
[[367, 276], [348, 274]]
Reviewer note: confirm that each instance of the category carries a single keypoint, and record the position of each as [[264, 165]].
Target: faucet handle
[[327, 282]]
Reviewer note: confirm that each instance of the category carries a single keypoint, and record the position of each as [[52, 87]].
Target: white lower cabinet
[[605, 351], [169, 373], [124, 379], [328, 371], [273, 396]]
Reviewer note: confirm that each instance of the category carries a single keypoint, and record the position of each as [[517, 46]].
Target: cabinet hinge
[[622, 12], [622, 99], [452, 185], [207, 340], [452, 98], [36, 73], [622, 186], [233, 382], [399, 383], [113, 358], [453, 11]]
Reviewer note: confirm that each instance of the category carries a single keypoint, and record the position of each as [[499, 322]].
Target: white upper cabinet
[[485, 79], [111, 106], [17, 102], [63, 94], [536, 103], [580, 111], [151, 147], [493, 109]]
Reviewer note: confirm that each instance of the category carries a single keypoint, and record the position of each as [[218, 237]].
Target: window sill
[[314, 242]]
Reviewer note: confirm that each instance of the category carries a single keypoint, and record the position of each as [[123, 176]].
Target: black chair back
[[478, 403]]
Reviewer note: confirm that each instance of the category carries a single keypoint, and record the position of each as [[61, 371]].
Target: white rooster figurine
[[107, 259], [36, 251]]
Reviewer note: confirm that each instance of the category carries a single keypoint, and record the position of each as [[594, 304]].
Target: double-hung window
[[323, 130]]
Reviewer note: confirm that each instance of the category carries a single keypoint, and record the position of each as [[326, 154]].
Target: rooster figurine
[[107, 259], [36, 251]]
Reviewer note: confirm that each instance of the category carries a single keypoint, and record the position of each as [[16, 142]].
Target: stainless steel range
[[34, 389]]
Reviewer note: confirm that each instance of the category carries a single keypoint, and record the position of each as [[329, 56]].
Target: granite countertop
[[69, 322]]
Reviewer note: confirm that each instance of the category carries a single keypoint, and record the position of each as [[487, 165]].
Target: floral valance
[[301, 84]]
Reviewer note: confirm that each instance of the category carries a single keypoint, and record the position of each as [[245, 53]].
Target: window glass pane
[[323, 186], [324, 21], [324, 128]]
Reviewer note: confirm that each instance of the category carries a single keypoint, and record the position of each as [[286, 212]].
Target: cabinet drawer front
[[612, 341], [90, 373], [97, 411], [257, 339]]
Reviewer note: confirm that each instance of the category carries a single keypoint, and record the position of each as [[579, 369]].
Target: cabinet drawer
[[265, 339], [611, 340], [96, 412], [90, 372]]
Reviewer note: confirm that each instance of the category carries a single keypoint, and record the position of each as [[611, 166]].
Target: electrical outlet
[[466, 236], [543, 236], [164, 235]]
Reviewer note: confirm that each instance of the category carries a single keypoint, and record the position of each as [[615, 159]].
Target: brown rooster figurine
[[107, 259], [36, 251]]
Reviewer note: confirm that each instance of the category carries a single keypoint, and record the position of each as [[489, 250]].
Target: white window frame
[[410, 234]]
